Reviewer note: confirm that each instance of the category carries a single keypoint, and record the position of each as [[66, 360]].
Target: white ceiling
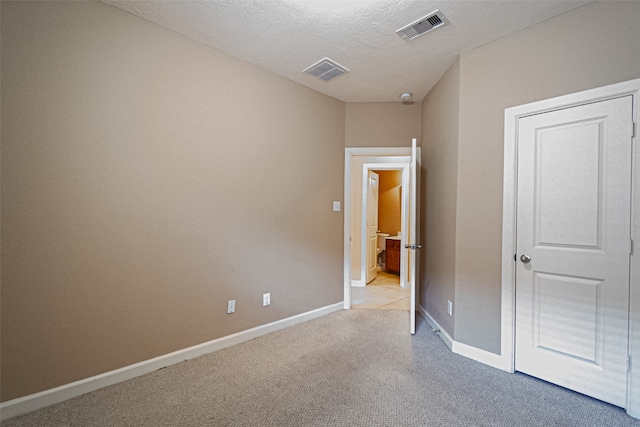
[[285, 36]]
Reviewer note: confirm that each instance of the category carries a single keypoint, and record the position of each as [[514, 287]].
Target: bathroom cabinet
[[392, 247]]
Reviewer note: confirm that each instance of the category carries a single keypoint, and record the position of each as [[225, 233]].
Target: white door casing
[[388, 158], [506, 359], [371, 227], [355, 158], [573, 234]]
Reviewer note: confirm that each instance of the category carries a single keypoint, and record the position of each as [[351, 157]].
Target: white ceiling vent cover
[[423, 25], [326, 70]]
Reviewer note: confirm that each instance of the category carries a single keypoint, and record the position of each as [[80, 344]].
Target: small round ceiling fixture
[[406, 97]]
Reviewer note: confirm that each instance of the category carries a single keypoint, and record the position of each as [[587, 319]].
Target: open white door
[[373, 189], [412, 244]]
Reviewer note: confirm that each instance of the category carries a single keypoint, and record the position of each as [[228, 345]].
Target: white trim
[[507, 343], [32, 402], [378, 151], [465, 350], [633, 396], [346, 226], [349, 153], [507, 358], [413, 235], [444, 336], [479, 355], [358, 283]]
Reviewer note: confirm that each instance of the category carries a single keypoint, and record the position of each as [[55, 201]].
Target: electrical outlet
[[231, 306], [266, 299], [450, 308]]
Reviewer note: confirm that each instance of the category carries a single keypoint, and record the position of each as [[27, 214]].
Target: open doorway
[[383, 283], [396, 158], [372, 237]]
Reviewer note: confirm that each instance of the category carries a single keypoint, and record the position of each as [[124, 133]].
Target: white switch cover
[[231, 306], [266, 299], [336, 206]]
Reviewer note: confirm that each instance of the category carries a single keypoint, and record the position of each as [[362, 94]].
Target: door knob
[[525, 258], [418, 246]]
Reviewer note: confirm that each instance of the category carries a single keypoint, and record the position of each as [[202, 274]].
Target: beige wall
[[569, 53], [382, 124], [390, 202], [440, 111], [146, 180]]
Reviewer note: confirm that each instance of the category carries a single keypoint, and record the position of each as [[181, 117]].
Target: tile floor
[[383, 293]]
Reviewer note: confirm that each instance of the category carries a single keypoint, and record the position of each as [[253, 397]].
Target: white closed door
[[573, 247], [373, 189]]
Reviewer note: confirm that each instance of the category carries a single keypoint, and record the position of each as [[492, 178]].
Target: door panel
[[573, 221], [565, 310], [568, 213]]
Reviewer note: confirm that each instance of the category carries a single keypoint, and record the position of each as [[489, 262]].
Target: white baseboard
[[477, 354], [32, 402], [436, 326]]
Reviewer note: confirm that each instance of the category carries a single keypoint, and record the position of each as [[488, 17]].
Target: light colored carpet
[[350, 368]]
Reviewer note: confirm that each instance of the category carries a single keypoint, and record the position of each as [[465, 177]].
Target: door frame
[[369, 155], [512, 115], [404, 221]]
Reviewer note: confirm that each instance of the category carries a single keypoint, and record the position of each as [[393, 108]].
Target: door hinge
[[631, 248], [633, 129]]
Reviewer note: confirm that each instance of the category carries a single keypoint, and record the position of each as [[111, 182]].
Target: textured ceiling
[[286, 37]]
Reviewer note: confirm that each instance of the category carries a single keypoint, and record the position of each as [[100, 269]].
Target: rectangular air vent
[[326, 70], [423, 25]]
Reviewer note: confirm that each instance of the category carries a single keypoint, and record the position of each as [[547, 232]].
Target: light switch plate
[[336, 206]]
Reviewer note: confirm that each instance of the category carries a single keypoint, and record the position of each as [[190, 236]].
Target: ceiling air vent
[[326, 70], [423, 25]]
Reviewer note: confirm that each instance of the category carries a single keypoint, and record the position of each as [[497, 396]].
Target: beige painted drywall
[[390, 201], [146, 180], [382, 124], [440, 111], [566, 54]]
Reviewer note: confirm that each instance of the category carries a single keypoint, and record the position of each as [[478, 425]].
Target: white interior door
[[573, 247], [373, 189], [412, 246]]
